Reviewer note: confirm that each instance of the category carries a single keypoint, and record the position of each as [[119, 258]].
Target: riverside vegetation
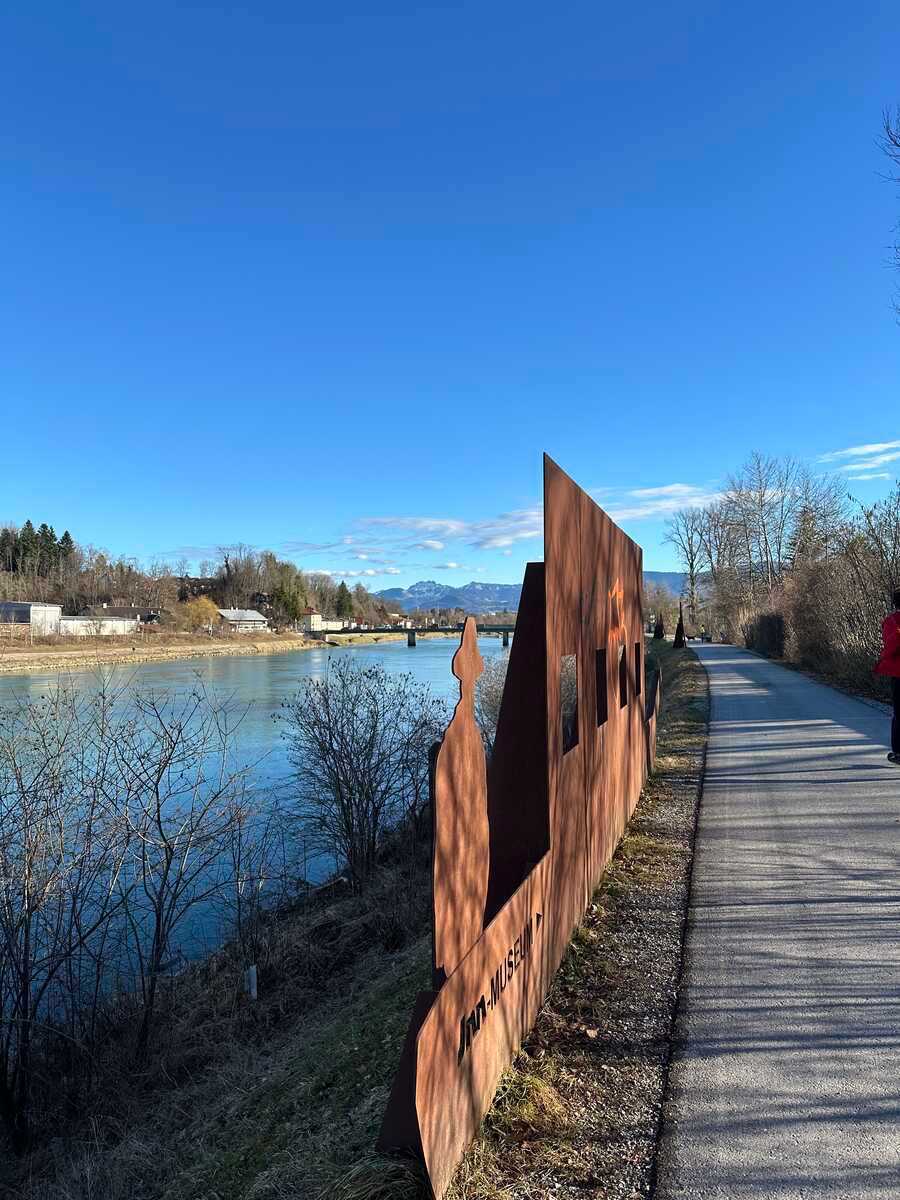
[[36, 566], [787, 562], [215, 1094], [126, 821]]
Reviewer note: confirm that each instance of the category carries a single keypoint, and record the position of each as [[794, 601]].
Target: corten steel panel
[[460, 881], [517, 774], [519, 847], [567, 773]]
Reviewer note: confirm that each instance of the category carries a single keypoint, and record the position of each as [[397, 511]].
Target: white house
[[311, 621], [41, 619], [243, 620], [98, 626], [314, 622]]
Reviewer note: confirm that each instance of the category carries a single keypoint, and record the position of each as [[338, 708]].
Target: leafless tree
[[890, 144], [359, 740], [489, 697], [117, 815], [181, 797], [684, 532], [258, 875], [61, 857]]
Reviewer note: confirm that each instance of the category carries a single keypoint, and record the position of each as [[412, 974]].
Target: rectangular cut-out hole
[[568, 701], [602, 689], [623, 677], [638, 670]]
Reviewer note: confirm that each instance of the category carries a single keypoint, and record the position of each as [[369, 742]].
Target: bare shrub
[[489, 697], [358, 741], [787, 561], [115, 817], [181, 801], [61, 857]]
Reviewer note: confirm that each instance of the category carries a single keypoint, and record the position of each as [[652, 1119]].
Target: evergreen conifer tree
[[679, 629], [344, 604], [9, 543], [28, 553], [66, 547], [48, 549]]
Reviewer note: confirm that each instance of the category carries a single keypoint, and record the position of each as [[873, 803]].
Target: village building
[[25, 618], [146, 616], [106, 626], [243, 620], [313, 622]]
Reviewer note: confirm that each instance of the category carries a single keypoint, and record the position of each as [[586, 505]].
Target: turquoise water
[[256, 686], [259, 684]]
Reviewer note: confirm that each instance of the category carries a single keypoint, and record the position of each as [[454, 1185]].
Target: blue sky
[[328, 279]]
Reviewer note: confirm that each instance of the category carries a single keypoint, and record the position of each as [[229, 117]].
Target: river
[[257, 685]]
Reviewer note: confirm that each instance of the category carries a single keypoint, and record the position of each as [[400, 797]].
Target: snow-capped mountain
[[476, 597]]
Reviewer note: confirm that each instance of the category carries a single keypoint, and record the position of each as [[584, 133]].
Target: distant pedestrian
[[889, 664]]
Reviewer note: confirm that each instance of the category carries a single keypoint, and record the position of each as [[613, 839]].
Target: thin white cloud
[[865, 461], [298, 546], [520, 525], [677, 490], [527, 524], [448, 526], [490, 534], [869, 464], [643, 504], [450, 566], [873, 448], [355, 572]]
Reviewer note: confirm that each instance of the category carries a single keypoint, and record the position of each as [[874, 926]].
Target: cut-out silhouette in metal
[[460, 820], [520, 842]]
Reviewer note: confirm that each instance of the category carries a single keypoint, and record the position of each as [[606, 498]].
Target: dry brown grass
[[271, 1099]]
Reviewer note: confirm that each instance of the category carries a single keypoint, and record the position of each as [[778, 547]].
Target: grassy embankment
[[284, 1098]]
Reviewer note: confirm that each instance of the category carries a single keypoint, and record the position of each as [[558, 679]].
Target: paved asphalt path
[[786, 1076]]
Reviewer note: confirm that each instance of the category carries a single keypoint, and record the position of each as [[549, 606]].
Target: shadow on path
[[785, 1080]]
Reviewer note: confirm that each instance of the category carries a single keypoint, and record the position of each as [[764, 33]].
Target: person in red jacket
[[889, 664]]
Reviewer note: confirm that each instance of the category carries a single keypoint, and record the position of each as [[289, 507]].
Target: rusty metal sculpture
[[520, 843], [460, 820]]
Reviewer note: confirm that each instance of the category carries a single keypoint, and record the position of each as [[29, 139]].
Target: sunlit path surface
[[786, 1081]]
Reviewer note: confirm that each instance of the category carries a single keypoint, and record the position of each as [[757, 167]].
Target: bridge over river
[[411, 634]]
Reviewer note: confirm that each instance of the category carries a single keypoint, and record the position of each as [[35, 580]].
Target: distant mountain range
[[478, 597], [673, 580]]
